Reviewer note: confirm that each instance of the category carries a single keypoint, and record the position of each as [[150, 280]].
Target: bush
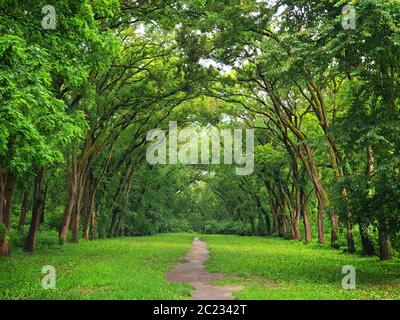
[[17, 239], [47, 238], [177, 225], [227, 227], [139, 225]]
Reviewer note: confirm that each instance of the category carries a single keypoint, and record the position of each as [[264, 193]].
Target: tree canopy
[[78, 101]]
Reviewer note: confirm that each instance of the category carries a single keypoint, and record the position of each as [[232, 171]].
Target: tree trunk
[[275, 227], [385, 251], [3, 180], [319, 108], [86, 230], [351, 247], [71, 199], [274, 207], [304, 213], [8, 181], [370, 163], [384, 246], [24, 210], [320, 218], [335, 229], [37, 210], [305, 153], [125, 187], [93, 225], [44, 205], [267, 221], [121, 226], [92, 186], [320, 192], [77, 215], [115, 210], [291, 220], [89, 206], [297, 234], [90, 214], [282, 227], [366, 242]]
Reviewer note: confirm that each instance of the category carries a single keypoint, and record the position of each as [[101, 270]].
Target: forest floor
[[271, 268], [137, 268], [128, 268]]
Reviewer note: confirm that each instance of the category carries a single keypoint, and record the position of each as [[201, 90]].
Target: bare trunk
[[121, 227], [115, 210], [292, 228], [351, 247], [291, 216], [384, 246], [72, 188], [370, 162], [274, 207], [304, 212], [267, 221], [90, 223], [93, 225], [3, 180], [334, 229], [320, 218], [124, 186], [282, 227], [297, 234], [77, 215], [86, 230], [320, 192], [89, 206], [37, 210], [320, 110], [305, 153], [385, 251], [275, 226], [90, 213], [366, 242], [8, 181], [86, 208], [24, 210]]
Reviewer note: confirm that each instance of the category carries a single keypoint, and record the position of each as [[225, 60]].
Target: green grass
[[270, 268], [135, 268], [131, 268]]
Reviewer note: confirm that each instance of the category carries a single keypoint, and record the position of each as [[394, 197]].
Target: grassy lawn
[[135, 268], [131, 268], [270, 268]]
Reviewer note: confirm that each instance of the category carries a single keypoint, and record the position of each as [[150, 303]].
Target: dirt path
[[195, 273]]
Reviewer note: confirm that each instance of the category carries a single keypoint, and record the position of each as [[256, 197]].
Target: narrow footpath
[[194, 272]]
